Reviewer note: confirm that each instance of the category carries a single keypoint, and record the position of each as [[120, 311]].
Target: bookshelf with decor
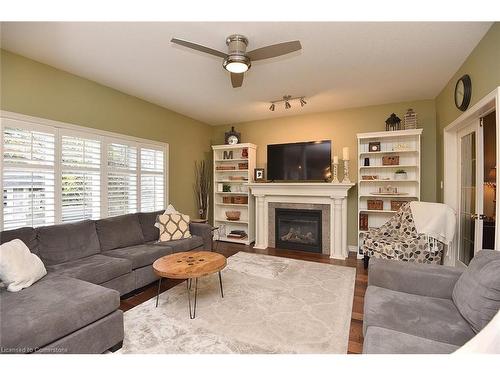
[[388, 175], [234, 208]]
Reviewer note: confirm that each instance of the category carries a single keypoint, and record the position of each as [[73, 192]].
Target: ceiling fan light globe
[[236, 67]]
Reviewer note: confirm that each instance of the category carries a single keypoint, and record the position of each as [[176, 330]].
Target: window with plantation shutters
[[52, 173], [80, 178], [152, 180], [27, 177], [122, 179]]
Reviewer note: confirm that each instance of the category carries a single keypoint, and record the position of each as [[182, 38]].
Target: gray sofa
[[90, 264], [423, 309]]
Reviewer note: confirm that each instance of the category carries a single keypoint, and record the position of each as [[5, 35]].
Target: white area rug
[[271, 305]]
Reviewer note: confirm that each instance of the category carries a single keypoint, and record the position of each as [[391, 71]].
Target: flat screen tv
[[304, 161]]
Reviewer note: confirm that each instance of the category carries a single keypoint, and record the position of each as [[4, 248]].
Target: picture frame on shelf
[[258, 175]]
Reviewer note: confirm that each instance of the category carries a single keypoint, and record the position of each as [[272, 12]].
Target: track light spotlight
[[287, 99]]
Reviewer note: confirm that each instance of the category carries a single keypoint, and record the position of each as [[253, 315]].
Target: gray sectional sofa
[[428, 309], [90, 264]]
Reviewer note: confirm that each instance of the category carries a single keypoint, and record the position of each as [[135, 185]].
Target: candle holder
[[335, 179], [346, 179]]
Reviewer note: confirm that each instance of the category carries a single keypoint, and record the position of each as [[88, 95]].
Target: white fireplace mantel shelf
[[332, 194]]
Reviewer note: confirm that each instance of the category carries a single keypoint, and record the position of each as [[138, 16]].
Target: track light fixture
[[287, 99]]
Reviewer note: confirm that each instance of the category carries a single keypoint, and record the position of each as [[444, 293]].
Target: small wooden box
[[390, 160], [242, 166], [375, 204], [396, 205], [227, 200], [240, 199]]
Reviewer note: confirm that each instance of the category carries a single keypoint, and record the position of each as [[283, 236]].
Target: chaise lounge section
[[90, 264]]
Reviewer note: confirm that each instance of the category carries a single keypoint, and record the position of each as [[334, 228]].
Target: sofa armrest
[[430, 280], [204, 231]]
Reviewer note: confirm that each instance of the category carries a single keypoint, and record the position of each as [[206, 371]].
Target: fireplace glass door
[[298, 230]]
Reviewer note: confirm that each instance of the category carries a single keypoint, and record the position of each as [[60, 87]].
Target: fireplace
[[298, 229]]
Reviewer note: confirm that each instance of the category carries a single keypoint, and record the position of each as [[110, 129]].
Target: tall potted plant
[[202, 188]]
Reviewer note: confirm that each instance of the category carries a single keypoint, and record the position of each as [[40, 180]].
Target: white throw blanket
[[435, 220]]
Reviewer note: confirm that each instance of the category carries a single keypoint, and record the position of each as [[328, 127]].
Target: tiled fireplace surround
[[325, 221]]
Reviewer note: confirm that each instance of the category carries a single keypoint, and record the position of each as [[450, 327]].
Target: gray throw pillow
[[477, 291]]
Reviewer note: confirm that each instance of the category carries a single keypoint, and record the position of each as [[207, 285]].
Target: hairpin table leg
[[192, 314], [158, 293], [220, 282]]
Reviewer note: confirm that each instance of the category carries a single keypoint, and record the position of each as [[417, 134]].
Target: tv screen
[[305, 161]]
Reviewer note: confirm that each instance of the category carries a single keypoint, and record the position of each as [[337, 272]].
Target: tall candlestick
[[335, 178], [346, 179], [345, 153], [336, 160]]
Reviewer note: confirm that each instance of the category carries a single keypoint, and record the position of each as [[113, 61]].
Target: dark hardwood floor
[[228, 249]]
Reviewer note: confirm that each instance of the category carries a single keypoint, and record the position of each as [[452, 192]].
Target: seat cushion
[[65, 242], [186, 244], [428, 317], [95, 269], [148, 220], [140, 255], [385, 341], [119, 231], [477, 291], [26, 234], [50, 309]]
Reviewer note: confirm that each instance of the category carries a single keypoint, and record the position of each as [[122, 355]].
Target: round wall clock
[[232, 137], [463, 92]]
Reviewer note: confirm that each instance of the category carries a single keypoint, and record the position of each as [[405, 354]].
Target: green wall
[[341, 128], [483, 67], [36, 89]]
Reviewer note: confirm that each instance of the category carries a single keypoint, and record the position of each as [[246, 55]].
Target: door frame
[[486, 105]]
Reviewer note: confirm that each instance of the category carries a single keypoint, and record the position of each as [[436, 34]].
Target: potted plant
[[400, 174]]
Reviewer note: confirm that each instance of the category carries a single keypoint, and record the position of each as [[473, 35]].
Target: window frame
[[60, 129]]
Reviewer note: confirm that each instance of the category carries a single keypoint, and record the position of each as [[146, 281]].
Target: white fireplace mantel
[[332, 194]]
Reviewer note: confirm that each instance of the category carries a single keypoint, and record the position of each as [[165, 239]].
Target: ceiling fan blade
[[237, 79], [274, 50], [199, 47]]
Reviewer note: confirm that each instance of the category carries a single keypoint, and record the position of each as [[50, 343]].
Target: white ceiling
[[341, 65]]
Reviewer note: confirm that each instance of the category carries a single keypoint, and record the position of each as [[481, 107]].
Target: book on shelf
[[237, 234]]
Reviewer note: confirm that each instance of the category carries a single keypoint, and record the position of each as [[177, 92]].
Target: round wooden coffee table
[[189, 265]]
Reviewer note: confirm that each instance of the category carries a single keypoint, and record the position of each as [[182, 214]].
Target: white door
[[470, 177]]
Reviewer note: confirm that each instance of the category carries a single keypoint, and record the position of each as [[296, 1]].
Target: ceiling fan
[[237, 61]]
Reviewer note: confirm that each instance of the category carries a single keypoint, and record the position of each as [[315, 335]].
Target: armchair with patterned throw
[[401, 238]]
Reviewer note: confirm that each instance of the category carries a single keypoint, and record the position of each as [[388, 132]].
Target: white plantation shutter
[[27, 177], [52, 173], [122, 179], [80, 178], [152, 180]]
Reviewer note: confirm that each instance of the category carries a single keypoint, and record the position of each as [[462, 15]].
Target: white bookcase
[[238, 188], [406, 144]]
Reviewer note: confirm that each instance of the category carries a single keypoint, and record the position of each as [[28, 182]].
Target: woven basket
[[396, 205], [227, 200], [240, 199], [390, 160], [375, 204]]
